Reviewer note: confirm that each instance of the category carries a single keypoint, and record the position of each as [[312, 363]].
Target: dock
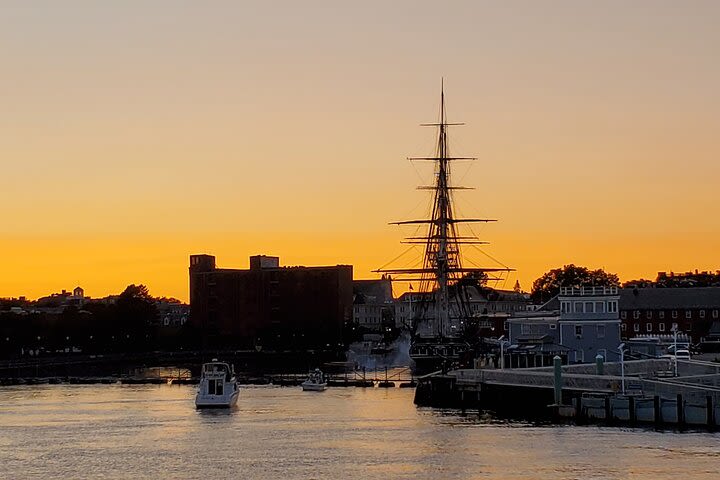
[[647, 392], [399, 376]]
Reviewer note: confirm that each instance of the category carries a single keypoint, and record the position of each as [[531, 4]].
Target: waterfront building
[[577, 325], [269, 306], [534, 340], [373, 307], [652, 311], [490, 307], [590, 322], [172, 312], [651, 346]]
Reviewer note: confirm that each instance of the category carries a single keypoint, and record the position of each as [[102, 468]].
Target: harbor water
[[154, 431]]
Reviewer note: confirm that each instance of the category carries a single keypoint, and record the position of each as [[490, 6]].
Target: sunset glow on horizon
[[134, 136]]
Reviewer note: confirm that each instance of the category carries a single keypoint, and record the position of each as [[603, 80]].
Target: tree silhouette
[[548, 285], [136, 311]]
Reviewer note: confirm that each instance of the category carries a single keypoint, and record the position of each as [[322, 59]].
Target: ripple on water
[[111, 431]]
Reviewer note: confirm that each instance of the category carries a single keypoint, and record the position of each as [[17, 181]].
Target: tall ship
[[444, 332]]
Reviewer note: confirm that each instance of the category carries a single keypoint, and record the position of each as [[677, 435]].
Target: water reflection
[[138, 431]]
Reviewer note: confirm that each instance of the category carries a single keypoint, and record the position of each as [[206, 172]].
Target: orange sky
[[134, 135]]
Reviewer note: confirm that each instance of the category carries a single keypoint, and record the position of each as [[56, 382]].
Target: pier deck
[[649, 392]]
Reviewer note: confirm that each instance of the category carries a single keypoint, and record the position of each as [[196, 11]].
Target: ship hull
[[436, 355]]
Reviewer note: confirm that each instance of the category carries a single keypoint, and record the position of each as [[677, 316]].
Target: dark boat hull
[[431, 356]]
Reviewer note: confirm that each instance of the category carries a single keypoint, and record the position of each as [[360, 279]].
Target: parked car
[[682, 354]]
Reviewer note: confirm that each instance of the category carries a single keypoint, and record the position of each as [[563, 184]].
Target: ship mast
[[442, 265], [444, 257]]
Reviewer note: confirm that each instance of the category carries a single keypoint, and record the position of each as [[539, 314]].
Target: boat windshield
[[216, 370]]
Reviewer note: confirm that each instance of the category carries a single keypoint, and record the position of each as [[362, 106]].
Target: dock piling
[[557, 380], [710, 411], [657, 410], [680, 411]]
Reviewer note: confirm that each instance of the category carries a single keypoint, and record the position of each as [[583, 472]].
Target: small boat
[[218, 386], [315, 382]]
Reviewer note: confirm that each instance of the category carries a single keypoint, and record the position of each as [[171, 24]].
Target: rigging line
[[490, 256], [413, 209], [473, 209], [505, 282], [417, 171], [469, 260], [472, 232], [465, 174], [396, 258], [411, 262]]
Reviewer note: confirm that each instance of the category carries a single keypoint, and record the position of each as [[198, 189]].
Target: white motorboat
[[218, 386], [315, 382]]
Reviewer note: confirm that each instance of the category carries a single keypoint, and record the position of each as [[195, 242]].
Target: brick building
[[658, 310], [268, 306]]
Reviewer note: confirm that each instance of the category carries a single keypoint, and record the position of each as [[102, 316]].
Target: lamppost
[[502, 351], [675, 366], [37, 358], [621, 348]]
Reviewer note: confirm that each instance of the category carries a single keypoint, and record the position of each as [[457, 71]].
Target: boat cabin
[[216, 375]]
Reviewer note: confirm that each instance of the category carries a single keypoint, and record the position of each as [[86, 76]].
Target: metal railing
[[604, 383], [587, 291], [670, 389]]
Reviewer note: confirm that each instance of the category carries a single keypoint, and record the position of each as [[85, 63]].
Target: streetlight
[[675, 332], [621, 347], [502, 351]]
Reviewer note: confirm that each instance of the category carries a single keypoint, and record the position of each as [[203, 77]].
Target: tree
[[548, 285], [639, 283], [474, 279], [136, 311]]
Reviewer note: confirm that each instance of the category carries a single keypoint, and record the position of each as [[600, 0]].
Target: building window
[[580, 356], [715, 314], [688, 314], [565, 307], [702, 313], [661, 327], [661, 314], [648, 314], [623, 315], [553, 326], [601, 331], [578, 307], [623, 327], [589, 307], [578, 331], [674, 314], [599, 307], [612, 306], [648, 327], [636, 327], [636, 314], [674, 327]]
